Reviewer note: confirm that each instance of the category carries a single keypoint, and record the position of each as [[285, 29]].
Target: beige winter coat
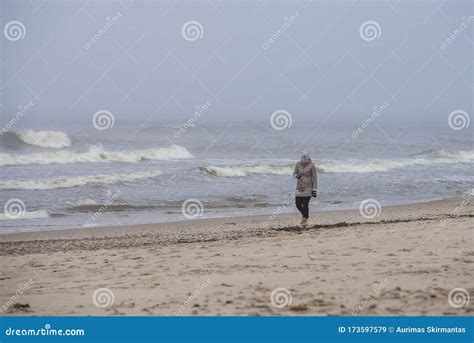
[[308, 180]]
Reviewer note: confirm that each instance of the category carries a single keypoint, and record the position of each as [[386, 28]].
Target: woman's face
[[305, 158]]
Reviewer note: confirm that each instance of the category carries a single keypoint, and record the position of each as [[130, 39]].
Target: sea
[[81, 175]]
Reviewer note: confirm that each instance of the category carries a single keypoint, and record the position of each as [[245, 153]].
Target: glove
[[314, 193]]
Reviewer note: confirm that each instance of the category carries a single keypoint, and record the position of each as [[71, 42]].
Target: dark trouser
[[302, 204]]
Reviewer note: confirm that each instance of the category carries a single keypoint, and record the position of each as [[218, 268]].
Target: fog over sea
[[214, 102]]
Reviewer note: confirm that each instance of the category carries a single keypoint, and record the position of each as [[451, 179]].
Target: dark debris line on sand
[[148, 239]]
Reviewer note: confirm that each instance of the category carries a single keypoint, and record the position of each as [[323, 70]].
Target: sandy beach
[[403, 262]]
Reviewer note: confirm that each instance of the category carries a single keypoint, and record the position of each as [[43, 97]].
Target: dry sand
[[404, 262]]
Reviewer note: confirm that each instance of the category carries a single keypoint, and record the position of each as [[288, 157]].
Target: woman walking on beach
[[306, 185]]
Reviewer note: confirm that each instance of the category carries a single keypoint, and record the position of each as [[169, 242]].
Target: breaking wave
[[43, 139], [457, 155], [74, 181], [431, 157], [245, 170], [96, 154]]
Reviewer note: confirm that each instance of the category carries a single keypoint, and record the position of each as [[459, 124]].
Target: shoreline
[[186, 231], [221, 215]]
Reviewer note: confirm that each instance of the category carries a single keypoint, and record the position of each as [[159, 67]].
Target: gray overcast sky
[[316, 66]]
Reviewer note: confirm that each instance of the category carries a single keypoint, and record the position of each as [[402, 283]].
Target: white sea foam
[[45, 139], [245, 170], [82, 202], [26, 215], [432, 157], [457, 155], [74, 181], [96, 154]]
